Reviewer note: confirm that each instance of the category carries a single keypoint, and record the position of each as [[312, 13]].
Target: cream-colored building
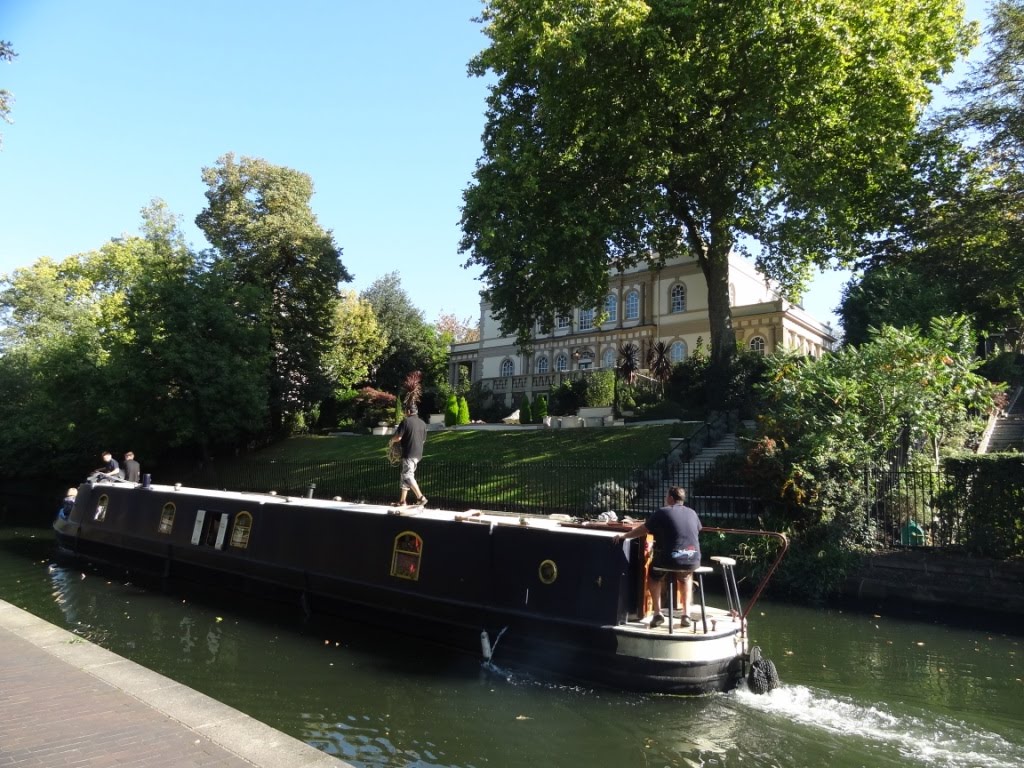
[[643, 306]]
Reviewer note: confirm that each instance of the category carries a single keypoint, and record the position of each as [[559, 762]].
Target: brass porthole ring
[[547, 572]]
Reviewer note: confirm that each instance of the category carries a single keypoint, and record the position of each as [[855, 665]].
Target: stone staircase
[[1007, 432], [684, 472]]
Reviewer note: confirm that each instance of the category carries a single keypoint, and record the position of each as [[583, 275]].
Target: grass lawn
[[635, 445], [536, 470]]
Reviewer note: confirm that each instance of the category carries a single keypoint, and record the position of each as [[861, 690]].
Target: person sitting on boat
[[675, 528], [68, 504], [131, 468], [412, 434], [110, 469]]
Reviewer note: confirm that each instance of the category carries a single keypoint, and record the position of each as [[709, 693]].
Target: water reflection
[[859, 690]]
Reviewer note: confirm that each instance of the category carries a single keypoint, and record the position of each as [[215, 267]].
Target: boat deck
[[720, 623]]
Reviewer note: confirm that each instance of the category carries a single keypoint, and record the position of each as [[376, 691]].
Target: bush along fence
[[973, 504]]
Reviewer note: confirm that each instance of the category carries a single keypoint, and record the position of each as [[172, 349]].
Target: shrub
[[540, 409], [371, 406], [599, 389], [607, 496], [463, 410], [451, 411], [525, 417], [484, 405]]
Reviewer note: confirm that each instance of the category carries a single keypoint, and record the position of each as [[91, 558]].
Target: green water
[[858, 689]]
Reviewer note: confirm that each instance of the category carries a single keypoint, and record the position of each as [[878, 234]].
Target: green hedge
[[992, 493]]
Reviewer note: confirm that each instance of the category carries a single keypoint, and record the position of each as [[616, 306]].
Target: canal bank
[[68, 702], [936, 580]]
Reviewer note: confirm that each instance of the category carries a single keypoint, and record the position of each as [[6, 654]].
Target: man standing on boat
[[675, 528], [411, 434]]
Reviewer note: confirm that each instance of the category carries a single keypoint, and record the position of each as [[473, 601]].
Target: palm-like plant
[[659, 362], [629, 362], [627, 369], [413, 387]]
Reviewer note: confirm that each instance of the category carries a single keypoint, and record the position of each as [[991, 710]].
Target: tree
[[6, 99], [463, 410], [953, 247], [456, 331], [848, 408], [357, 344], [266, 238], [412, 344], [628, 131]]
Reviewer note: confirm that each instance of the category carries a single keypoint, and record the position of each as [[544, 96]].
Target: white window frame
[[632, 309]]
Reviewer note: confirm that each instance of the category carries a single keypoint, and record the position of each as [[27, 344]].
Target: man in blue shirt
[[675, 528]]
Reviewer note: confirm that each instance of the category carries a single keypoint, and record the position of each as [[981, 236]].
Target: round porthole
[[548, 572]]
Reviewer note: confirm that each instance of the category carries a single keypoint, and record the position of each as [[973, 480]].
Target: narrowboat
[[539, 592]]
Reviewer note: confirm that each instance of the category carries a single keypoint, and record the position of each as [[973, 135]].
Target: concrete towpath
[[67, 702]]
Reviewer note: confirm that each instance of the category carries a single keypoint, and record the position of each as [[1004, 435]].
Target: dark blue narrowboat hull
[[559, 597]]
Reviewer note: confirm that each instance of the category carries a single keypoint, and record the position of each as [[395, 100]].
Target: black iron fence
[[903, 507], [579, 489]]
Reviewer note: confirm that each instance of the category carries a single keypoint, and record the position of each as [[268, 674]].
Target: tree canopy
[[629, 131], [955, 243], [6, 98], [412, 343], [266, 239]]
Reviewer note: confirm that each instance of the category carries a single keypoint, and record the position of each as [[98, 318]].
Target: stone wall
[[938, 580]]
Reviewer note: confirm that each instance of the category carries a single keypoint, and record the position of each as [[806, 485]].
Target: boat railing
[[783, 542]]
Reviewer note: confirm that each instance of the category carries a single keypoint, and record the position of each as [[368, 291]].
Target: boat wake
[[922, 739]]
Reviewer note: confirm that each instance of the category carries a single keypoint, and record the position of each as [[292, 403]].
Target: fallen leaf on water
[[523, 717]]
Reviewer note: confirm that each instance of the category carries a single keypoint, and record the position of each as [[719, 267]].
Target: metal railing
[[902, 507], [579, 489]]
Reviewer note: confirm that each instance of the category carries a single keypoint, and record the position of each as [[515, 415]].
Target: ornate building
[[643, 306]]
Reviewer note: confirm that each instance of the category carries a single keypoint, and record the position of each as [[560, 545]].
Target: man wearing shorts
[[675, 528], [412, 434]]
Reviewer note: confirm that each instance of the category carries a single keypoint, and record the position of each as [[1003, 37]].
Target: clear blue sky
[[118, 102]]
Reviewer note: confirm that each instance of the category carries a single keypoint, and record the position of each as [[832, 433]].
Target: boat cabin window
[[166, 518], [405, 560], [240, 531], [101, 508], [210, 528]]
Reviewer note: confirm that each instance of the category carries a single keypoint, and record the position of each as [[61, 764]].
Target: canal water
[[858, 689]]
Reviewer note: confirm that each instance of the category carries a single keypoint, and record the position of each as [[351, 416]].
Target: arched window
[[561, 363], [406, 556], [677, 352], [611, 308], [166, 518], [678, 296], [586, 319], [542, 364], [507, 368], [633, 305], [608, 359], [757, 345], [241, 530]]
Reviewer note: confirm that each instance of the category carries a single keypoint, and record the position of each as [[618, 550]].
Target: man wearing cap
[[412, 434]]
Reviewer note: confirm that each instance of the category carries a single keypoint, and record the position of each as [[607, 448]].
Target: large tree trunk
[[715, 265], [716, 273]]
